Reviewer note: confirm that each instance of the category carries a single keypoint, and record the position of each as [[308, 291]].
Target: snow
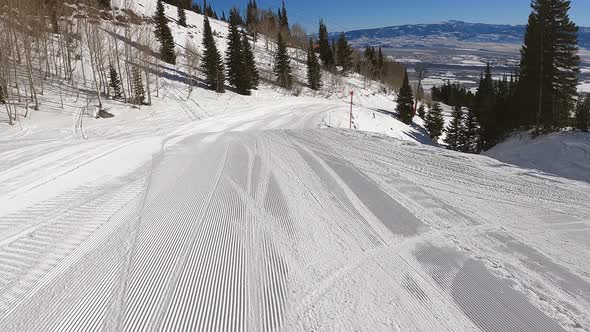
[[226, 212], [565, 154]]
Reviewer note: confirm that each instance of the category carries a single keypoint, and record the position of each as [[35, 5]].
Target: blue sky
[[359, 14]]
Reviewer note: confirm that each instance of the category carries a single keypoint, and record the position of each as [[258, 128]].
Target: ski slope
[[207, 212], [261, 220]]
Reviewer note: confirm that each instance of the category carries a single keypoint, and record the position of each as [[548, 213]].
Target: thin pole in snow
[[351, 96]]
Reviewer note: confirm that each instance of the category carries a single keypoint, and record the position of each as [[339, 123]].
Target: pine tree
[[208, 10], [115, 82], [422, 111], [371, 60], [470, 140], [251, 14], [334, 52], [549, 66], [405, 102], [197, 9], [583, 115], [325, 51], [223, 18], [455, 130], [502, 110], [237, 71], [212, 65], [435, 122], [344, 54], [283, 63], [164, 35], [380, 64], [181, 17], [314, 71], [253, 73], [138, 89], [283, 18], [484, 107]]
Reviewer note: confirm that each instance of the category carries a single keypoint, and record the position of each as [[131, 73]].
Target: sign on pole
[[351, 96]]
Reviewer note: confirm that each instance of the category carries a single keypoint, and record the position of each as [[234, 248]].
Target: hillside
[[187, 102]]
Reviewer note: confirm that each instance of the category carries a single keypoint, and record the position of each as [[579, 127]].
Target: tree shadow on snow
[[138, 46]]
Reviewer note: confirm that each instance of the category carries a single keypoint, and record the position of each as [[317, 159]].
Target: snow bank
[[565, 154]]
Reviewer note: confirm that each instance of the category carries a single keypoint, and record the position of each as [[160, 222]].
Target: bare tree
[[149, 42], [192, 64], [93, 42], [299, 40]]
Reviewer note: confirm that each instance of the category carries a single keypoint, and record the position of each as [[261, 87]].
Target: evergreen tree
[[237, 71], [181, 17], [314, 71], [105, 3], [197, 9], [280, 17], [223, 18], [138, 89], [484, 107], [405, 102], [115, 82], [470, 140], [283, 18], [212, 65], [344, 54], [253, 73], [455, 130], [422, 112], [251, 14], [583, 115], [435, 122], [549, 66], [370, 56], [283, 63], [502, 109], [380, 64], [453, 94], [164, 35], [208, 10], [324, 43], [334, 52]]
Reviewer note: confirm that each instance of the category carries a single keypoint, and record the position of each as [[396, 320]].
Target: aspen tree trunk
[[90, 34]]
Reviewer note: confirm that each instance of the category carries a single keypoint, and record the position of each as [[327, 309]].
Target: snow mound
[[566, 154]]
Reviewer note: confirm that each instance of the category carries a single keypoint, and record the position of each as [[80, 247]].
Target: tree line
[[540, 96]]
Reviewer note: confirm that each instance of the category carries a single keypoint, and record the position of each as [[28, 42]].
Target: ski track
[[239, 227]]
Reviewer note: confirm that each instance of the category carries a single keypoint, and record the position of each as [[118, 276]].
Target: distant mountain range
[[446, 34]]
